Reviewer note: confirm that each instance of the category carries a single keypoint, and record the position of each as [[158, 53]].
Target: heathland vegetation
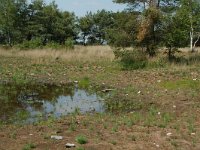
[[141, 66]]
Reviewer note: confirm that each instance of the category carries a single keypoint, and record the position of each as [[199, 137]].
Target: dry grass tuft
[[80, 53]]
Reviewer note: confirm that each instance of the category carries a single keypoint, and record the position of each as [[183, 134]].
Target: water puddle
[[31, 103]]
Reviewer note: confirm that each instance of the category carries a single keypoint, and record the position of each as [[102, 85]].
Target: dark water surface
[[31, 103]]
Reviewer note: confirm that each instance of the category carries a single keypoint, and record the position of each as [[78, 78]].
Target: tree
[[189, 13], [174, 34], [85, 24], [36, 19], [151, 12], [7, 20], [21, 20], [103, 21], [124, 30]]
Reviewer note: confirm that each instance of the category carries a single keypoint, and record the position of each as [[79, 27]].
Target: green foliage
[[175, 34], [113, 142], [35, 24], [165, 120], [29, 146], [69, 44], [131, 59], [158, 63], [81, 139], [124, 30], [22, 115], [53, 45], [32, 44], [182, 84], [84, 83]]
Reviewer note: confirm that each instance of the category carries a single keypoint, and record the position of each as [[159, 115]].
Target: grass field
[[152, 108]]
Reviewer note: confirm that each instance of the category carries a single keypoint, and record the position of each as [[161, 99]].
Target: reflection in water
[[34, 102]]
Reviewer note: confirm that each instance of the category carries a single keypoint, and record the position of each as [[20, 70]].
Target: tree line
[[145, 24]]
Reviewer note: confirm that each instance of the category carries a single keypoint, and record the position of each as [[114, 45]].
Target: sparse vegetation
[[29, 146], [81, 139]]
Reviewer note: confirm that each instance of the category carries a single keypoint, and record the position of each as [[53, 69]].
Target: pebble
[[193, 133], [157, 145], [159, 81], [169, 134], [56, 137]]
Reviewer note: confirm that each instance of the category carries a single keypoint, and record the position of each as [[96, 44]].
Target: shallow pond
[[31, 103]]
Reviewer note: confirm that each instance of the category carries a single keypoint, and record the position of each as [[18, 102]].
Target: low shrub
[[81, 139], [32, 44], [132, 59]]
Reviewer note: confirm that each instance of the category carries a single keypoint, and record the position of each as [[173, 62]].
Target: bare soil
[[173, 90]]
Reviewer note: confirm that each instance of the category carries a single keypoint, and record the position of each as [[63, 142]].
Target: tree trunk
[[84, 40], [193, 48], [191, 39], [9, 39], [170, 53]]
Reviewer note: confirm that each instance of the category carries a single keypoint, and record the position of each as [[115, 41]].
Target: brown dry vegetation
[[79, 53]]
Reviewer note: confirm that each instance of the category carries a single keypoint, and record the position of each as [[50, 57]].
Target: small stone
[[30, 134], [159, 113], [193, 133], [126, 94], [159, 81], [139, 92], [157, 145], [174, 106], [169, 134], [69, 145], [56, 137]]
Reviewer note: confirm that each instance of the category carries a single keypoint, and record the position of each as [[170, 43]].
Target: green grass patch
[[81, 139], [182, 84], [84, 83], [29, 146]]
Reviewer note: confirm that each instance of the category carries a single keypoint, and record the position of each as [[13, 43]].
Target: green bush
[[29, 146], [159, 63], [69, 44], [32, 44], [132, 59], [84, 83], [53, 45], [81, 139]]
